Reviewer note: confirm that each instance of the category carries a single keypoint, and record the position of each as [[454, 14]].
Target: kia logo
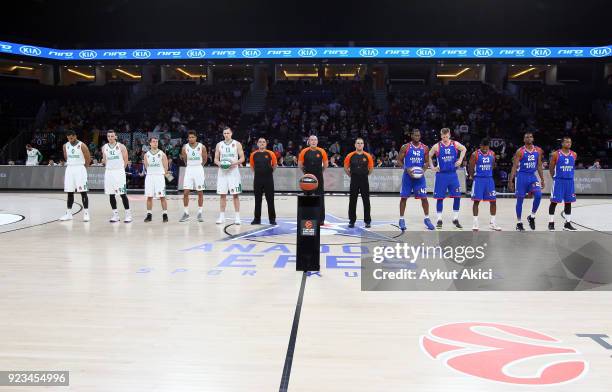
[[489, 351], [483, 52], [251, 52], [601, 51], [30, 51], [307, 52], [141, 54], [540, 52], [87, 54], [196, 53], [368, 52], [426, 52]]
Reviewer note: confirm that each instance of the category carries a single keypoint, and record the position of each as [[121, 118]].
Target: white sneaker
[[237, 221], [114, 218], [220, 219], [128, 217], [494, 227], [86, 217], [475, 227], [67, 217]]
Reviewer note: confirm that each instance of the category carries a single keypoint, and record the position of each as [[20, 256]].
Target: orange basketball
[[309, 182]]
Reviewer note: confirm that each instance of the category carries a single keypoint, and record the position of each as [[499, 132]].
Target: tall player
[[34, 156], [562, 164], [449, 155], [229, 156], [156, 164], [414, 155], [480, 168], [115, 158], [77, 157], [194, 154], [527, 160]]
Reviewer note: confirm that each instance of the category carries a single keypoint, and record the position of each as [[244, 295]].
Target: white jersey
[[33, 155], [74, 154], [228, 151], [194, 155], [155, 163], [114, 156]]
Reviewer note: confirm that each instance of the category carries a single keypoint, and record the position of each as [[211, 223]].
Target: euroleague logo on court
[[503, 353]]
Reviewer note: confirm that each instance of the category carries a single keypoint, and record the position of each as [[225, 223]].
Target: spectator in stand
[[595, 166]]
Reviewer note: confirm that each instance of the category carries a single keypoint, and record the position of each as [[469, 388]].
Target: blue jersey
[[415, 156], [528, 160], [564, 168], [447, 157], [484, 164]]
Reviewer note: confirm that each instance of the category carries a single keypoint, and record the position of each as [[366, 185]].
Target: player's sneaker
[[148, 218], [475, 227], [86, 217], [273, 223], [551, 226], [368, 225], [184, 218], [494, 227], [439, 224], [128, 217], [256, 222], [200, 217], [428, 224], [237, 221], [568, 227], [66, 217], [531, 221], [457, 224], [115, 218], [165, 218], [402, 224], [220, 219], [519, 227], [351, 225]]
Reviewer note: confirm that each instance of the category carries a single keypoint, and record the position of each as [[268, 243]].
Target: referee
[[359, 165], [313, 160], [263, 163]]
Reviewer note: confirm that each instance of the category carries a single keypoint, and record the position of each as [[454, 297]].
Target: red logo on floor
[[503, 353]]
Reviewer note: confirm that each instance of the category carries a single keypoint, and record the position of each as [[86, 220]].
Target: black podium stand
[[308, 233]]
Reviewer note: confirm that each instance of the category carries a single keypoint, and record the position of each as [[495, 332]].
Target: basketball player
[[115, 158], [359, 165], [449, 155], [194, 154], [34, 156], [562, 164], [411, 155], [228, 152], [313, 160], [526, 161], [480, 168], [263, 163], [156, 165], [77, 157]]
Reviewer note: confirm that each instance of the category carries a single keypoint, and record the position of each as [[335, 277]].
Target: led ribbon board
[[305, 53]]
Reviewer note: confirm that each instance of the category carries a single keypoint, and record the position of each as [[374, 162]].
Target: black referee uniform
[[312, 160], [359, 166], [263, 164]]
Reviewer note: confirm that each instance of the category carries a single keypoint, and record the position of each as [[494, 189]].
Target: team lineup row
[[443, 158]]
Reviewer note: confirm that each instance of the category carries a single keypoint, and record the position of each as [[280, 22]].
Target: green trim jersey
[[74, 154], [194, 155], [34, 157], [228, 151], [114, 156], [155, 165]]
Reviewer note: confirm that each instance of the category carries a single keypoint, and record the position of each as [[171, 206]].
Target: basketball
[[309, 183], [225, 165], [415, 172]]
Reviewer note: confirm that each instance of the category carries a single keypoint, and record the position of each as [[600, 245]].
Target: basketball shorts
[[447, 185], [413, 186], [229, 181], [526, 183], [194, 178], [75, 179], [114, 182], [483, 189], [563, 191], [155, 186]]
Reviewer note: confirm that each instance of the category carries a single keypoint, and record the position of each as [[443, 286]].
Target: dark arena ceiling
[[105, 23]]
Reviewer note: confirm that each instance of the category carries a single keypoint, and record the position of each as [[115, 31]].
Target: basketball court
[[205, 307]]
